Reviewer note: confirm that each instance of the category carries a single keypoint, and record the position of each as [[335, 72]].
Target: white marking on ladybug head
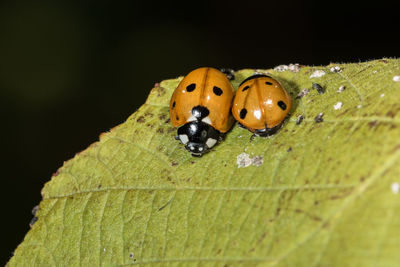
[[184, 138], [206, 120], [200, 148], [211, 142]]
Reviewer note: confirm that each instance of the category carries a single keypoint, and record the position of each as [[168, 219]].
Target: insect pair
[[203, 104]]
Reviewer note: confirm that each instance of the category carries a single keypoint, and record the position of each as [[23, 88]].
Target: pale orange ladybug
[[200, 107], [261, 104]]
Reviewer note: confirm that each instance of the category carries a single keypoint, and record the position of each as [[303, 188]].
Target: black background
[[70, 70]]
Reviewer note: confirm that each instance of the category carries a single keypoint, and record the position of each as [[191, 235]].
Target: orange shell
[[261, 103]]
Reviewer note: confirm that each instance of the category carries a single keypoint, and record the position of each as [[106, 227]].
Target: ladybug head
[[198, 137], [196, 149]]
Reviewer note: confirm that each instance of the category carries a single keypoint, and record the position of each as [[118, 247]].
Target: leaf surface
[[314, 194]]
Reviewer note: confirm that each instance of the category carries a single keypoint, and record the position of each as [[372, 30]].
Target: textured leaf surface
[[324, 194]]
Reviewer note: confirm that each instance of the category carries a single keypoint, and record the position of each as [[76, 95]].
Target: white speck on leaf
[[341, 89], [395, 188], [291, 67], [317, 74], [382, 95], [396, 78], [258, 160], [303, 92], [243, 160], [359, 106], [281, 68], [258, 71], [294, 67], [336, 69], [338, 105]]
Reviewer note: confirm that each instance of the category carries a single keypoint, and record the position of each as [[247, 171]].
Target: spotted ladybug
[[261, 104], [200, 107]]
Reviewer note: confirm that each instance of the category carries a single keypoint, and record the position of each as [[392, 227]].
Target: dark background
[[70, 70]]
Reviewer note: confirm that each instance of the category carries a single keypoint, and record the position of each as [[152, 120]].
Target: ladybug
[[261, 105], [200, 107]]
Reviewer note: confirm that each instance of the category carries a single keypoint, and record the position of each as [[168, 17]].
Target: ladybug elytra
[[200, 107]]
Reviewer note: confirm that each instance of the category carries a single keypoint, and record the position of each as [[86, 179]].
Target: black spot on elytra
[[243, 113], [173, 104], [177, 118], [268, 83], [217, 90], [200, 112], [191, 87], [282, 105], [245, 88]]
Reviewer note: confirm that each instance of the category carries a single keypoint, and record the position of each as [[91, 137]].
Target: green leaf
[[313, 194]]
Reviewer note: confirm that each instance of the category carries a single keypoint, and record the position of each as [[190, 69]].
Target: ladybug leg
[[221, 137], [229, 73], [267, 132], [253, 136], [176, 137]]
